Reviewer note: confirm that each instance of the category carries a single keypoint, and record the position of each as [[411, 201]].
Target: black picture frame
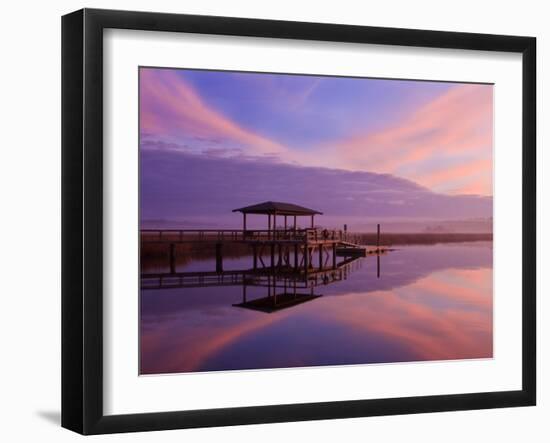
[[82, 218]]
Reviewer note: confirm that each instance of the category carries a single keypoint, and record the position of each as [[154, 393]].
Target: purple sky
[[213, 141]]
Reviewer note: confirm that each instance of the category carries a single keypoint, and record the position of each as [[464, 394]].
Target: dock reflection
[[285, 286]]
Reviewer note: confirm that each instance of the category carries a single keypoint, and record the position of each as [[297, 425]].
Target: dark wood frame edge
[[82, 217]]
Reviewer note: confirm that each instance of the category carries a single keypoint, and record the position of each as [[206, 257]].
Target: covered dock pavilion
[[274, 209]]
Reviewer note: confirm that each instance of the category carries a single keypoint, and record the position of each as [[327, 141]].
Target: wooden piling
[[172, 258], [219, 257]]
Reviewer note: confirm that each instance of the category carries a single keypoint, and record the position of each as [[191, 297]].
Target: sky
[[215, 140]]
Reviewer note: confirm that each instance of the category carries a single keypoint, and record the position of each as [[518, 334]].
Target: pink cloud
[[453, 128], [169, 106], [472, 168], [480, 186], [433, 146]]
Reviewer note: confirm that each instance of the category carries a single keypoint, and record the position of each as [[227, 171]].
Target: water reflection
[[421, 303], [285, 286]]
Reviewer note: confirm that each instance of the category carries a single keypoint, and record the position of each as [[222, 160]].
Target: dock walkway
[[279, 247]]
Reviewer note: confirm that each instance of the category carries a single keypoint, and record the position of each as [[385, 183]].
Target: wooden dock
[[285, 258], [278, 248], [299, 248]]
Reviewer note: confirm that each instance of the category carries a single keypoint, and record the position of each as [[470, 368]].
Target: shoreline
[[424, 238]]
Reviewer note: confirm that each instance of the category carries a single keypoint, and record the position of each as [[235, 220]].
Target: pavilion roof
[[278, 208]]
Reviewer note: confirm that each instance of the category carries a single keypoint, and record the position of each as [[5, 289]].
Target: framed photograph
[[269, 221]]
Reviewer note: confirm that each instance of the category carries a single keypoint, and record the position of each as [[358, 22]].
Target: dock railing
[[319, 234], [216, 235]]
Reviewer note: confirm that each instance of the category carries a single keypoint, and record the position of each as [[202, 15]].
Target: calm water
[[428, 303]]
